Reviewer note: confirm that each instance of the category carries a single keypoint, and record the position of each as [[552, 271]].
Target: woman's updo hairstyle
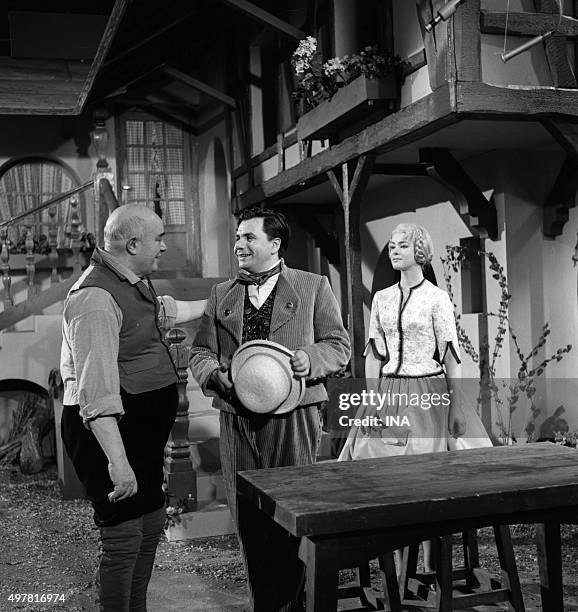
[[422, 242]]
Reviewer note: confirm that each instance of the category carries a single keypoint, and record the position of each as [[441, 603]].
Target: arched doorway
[[385, 276]]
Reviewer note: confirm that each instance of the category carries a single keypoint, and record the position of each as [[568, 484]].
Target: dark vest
[[257, 321], [144, 361]]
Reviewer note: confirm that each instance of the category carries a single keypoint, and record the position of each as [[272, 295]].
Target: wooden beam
[[37, 304], [400, 169], [350, 194], [413, 63], [199, 85], [110, 31], [565, 134], [147, 39], [307, 219], [467, 41], [258, 14], [477, 212], [481, 100], [408, 125], [556, 52], [527, 24], [561, 199], [436, 43]]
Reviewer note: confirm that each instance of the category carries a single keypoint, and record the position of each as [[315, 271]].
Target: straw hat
[[263, 378]]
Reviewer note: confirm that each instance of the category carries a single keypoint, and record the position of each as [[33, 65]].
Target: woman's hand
[[456, 422]]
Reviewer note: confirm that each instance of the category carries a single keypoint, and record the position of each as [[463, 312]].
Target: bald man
[[120, 398]]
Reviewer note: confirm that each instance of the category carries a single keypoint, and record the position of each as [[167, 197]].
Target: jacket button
[[289, 304], [227, 312]]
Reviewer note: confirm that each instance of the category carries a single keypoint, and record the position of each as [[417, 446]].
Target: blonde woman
[[412, 360]]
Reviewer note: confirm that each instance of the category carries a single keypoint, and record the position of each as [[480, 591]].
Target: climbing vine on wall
[[524, 384]]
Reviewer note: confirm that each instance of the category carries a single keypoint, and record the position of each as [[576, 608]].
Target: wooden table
[[348, 512]]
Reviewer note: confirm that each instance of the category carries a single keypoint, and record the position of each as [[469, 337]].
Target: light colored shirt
[[407, 334], [259, 294], [90, 342]]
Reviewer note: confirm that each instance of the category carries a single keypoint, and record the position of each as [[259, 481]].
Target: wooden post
[[30, 264], [75, 235], [467, 40], [53, 244], [103, 171], [179, 473], [5, 268], [350, 195], [441, 68]]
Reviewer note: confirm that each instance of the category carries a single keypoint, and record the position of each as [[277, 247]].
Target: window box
[[355, 105]]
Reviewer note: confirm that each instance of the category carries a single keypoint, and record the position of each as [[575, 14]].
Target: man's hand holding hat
[[221, 381], [300, 363]]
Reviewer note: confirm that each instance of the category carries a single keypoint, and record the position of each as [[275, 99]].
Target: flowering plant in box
[[317, 81]]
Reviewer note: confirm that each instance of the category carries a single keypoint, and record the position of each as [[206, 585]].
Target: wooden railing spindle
[[53, 243], [75, 235], [5, 268], [30, 262], [180, 475]]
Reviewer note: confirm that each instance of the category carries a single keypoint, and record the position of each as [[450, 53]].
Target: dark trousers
[[130, 528], [251, 442]]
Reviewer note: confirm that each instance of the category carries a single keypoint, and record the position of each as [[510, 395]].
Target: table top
[[337, 497]]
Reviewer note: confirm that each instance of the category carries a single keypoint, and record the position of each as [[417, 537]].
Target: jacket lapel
[[286, 302], [230, 313]]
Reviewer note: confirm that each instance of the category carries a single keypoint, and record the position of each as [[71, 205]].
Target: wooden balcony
[[447, 117]]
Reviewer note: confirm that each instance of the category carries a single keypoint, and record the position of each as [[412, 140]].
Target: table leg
[[321, 577], [550, 564], [274, 572]]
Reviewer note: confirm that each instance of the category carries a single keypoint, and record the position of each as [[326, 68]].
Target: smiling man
[[268, 300], [120, 398]]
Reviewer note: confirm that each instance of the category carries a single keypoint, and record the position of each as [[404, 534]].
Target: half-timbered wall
[[540, 272]]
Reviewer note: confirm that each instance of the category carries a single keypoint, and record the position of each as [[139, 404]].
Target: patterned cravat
[[257, 278]]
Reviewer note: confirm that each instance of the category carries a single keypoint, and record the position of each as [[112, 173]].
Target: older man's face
[[150, 247]]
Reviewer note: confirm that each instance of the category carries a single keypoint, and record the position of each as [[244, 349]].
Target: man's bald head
[[126, 222]]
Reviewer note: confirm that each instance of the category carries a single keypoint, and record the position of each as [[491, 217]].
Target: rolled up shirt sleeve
[[167, 312], [92, 334]]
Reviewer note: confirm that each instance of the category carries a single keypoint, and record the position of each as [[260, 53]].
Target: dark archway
[[385, 276]]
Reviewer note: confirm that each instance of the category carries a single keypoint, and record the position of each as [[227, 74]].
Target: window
[[155, 168], [157, 165]]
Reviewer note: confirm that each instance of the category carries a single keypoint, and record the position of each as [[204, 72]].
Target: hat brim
[[253, 347]]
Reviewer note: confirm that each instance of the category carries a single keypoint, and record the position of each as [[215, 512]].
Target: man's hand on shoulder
[[300, 363], [123, 479]]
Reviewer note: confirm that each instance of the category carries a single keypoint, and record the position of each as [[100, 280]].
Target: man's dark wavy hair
[[275, 224]]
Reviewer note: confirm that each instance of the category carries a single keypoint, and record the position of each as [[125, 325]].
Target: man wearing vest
[[120, 398], [298, 310]]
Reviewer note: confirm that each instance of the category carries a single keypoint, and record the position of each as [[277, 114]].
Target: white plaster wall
[[345, 27], [541, 277], [30, 355], [217, 221], [410, 41]]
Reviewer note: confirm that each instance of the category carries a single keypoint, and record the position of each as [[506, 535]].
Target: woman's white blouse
[[407, 334]]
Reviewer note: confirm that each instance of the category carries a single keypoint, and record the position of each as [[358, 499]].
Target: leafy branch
[[456, 256]]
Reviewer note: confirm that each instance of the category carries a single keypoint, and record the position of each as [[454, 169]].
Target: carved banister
[[5, 268], [30, 264], [180, 475], [47, 204]]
